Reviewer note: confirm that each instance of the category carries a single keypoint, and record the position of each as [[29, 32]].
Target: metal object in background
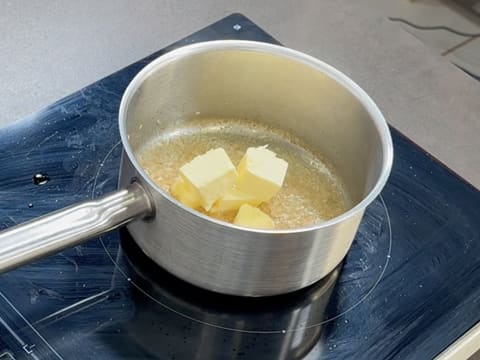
[[226, 79], [71, 226]]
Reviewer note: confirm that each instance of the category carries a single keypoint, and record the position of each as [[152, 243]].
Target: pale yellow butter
[[185, 194], [253, 217], [261, 173], [232, 200], [211, 175]]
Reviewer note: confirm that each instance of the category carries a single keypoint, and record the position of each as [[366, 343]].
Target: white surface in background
[[464, 347], [432, 13], [446, 13]]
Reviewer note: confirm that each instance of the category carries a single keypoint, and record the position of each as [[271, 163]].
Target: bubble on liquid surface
[[311, 193]]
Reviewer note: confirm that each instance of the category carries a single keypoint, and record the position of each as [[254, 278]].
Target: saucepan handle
[[71, 226]]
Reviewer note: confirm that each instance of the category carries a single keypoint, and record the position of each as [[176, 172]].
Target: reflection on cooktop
[[194, 323]]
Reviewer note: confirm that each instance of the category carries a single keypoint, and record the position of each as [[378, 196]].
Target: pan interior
[[312, 192]]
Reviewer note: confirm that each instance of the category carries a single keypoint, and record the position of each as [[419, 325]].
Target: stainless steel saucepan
[[265, 83]]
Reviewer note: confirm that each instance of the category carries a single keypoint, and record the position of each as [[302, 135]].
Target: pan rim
[[245, 45]]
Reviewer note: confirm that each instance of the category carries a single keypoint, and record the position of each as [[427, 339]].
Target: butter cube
[[232, 200], [185, 194], [211, 175], [261, 173], [250, 216]]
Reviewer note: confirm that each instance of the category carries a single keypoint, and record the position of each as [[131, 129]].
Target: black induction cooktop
[[408, 288]]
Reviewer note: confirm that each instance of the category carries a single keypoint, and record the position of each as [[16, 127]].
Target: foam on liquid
[[311, 193]]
